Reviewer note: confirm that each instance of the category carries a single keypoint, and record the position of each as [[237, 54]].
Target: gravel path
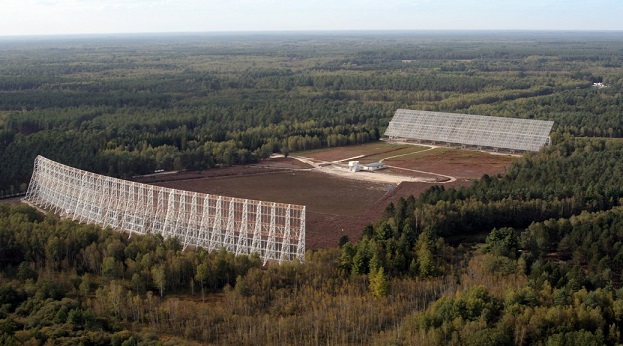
[[342, 170]]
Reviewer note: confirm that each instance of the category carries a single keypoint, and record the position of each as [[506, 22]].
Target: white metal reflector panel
[[467, 129], [275, 231]]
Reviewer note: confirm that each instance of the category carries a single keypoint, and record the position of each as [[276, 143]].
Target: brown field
[[329, 200], [462, 164], [321, 193], [373, 149], [336, 205]]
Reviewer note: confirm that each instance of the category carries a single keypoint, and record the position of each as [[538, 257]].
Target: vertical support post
[[270, 244], [127, 208], [228, 241], [204, 228], [193, 222], [242, 245], [77, 212], [181, 224], [274, 231], [216, 239], [159, 217], [94, 205], [34, 180], [168, 220], [256, 243], [105, 202], [138, 216], [148, 210], [300, 248], [285, 239]]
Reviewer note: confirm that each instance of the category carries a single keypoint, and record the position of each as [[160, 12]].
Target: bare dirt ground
[[265, 167], [428, 163], [461, 164], [319, 192], [368, 150], [334, 205], [339, 202]]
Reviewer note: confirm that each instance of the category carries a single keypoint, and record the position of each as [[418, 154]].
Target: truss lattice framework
[[275, 231], [467, 129]]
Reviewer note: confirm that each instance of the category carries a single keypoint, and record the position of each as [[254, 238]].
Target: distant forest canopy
[[549, 266], [123, 106]]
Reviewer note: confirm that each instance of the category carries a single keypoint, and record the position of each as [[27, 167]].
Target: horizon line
[[311, 31]]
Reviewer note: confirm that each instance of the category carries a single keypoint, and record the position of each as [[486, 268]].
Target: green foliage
[[490, 337], [393, 244], [134, 107], [128, 107], [588, 240], [378, 282], [502, 242], [475, 317], [575, 338], [560, 181], [426, 261], [111, 290], [343, 240]]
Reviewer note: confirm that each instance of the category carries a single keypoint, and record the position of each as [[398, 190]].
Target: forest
[[533, 256], [132, 105]]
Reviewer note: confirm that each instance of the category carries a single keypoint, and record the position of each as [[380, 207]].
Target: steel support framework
[[275, 231], [470, 130]]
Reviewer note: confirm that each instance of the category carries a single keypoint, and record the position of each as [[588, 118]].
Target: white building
[[373, 166], [354, 166]]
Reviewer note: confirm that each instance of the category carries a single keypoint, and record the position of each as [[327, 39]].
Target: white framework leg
[[275, 231]]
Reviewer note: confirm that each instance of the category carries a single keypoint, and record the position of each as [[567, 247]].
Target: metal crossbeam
[[473, 130], [275, 231]]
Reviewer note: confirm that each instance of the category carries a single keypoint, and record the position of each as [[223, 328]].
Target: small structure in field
[[370, 167], [354, 166]]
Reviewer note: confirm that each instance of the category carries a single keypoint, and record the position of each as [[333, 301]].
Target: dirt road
[[338, 168]]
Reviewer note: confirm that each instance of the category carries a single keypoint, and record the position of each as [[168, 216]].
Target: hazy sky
[[33, 17]]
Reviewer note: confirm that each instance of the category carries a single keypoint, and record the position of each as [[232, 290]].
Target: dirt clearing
[[339, 202]]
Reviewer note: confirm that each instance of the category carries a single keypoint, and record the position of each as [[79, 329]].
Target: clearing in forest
[[341, 202]]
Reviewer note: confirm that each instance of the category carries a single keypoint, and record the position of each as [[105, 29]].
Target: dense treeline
[[74, 283], [549, 269], [67, 283], [131, 106], [557, 282], [394, 247], [590, 240], [575, 175], [564, 288]]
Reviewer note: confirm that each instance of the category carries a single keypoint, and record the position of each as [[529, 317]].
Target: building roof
[[375, 164]]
